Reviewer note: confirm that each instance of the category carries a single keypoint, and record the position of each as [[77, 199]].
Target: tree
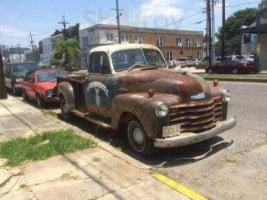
[[66, 51], [232, 29], [3, 94]]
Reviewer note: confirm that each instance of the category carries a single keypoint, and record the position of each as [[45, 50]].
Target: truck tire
[[14, 90], [39, 101], [24, 96], [138, 140], [66, 114]]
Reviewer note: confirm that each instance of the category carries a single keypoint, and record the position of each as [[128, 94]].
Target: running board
[[97, 122]]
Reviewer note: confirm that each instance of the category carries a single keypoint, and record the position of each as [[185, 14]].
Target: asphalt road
[[232, 166]]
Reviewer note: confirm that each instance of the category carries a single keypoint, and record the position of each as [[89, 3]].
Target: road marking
[[178, 187]]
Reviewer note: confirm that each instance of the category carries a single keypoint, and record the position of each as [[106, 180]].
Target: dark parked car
[[14, 74], [231, 67]]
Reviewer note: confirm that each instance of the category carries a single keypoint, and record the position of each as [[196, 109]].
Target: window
[[197, 42], [179, 42], [169, 55], [99, 63], [124, 38], [139, 39], [188, 42], [109, 36], [85, 42], [160, 40], [30, 77]]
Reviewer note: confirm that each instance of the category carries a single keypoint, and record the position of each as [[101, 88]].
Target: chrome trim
[[191, 138]]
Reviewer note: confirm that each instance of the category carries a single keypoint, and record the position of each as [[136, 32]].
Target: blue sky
[[18, 17]]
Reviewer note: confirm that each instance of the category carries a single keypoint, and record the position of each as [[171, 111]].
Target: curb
[[237, 80]]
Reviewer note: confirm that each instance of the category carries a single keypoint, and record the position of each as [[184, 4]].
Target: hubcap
[[138, 136]]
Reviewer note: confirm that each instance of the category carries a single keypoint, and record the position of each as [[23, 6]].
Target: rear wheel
[[65, 113], [235, 71], [210, 71], [138, 140]]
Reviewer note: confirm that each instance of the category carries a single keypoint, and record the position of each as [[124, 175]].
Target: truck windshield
[[46, 76], [123, 60]]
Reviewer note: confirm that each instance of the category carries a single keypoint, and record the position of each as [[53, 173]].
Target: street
[[231, 166], [235, 167]]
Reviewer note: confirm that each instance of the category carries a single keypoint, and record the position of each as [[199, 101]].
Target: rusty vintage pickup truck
[[129, 88]]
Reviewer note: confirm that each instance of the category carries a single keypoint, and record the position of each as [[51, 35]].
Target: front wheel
[[39, 101], [24, 96], [138, 140], [14, 90], [65, 113]]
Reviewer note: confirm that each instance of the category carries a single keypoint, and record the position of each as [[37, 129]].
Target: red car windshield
[[46, 76]]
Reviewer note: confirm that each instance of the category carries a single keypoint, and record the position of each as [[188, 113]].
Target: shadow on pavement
[[164, 157]]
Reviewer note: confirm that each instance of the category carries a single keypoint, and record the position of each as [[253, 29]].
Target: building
[[46, 51], [173, 43], [259, 27], [46, 48]]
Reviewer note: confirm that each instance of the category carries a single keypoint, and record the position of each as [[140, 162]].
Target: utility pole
[[3, 93], [212, 31], [209, 29], [19, 53], [223, 26], [64, 23], [33, 51], [118, 20]]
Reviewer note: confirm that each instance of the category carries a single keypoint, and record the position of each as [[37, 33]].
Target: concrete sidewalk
[[102, 172]]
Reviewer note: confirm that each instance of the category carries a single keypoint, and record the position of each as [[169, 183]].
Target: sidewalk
[[102, 172]]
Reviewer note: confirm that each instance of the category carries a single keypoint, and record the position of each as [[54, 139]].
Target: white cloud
[[158, 12], [108, 20], [10, 31]]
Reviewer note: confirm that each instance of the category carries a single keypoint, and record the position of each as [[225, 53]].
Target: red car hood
[[47, 85]]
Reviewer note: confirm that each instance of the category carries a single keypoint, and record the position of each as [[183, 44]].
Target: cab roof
[[117, 47]]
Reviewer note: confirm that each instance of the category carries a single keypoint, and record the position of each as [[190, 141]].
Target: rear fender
[[65, 90]]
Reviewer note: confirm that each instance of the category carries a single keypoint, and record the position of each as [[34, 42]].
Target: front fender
[[143, 108], [65, 89]]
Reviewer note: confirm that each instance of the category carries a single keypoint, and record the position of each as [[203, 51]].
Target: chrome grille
[[197, 116]]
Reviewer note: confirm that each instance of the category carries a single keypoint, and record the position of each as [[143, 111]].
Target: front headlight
[[162, 110], [49, 93], [226, 95], [18, 80]]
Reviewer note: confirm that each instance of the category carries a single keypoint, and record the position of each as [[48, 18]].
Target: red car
[[40, 85], [231, 67]]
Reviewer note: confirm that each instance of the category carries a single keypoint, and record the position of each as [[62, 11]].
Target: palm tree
[[3, 94], [66, 50]]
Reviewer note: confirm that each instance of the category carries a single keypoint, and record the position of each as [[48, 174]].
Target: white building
[[46, 54]]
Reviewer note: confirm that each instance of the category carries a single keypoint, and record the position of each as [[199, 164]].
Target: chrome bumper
[[191, 138]]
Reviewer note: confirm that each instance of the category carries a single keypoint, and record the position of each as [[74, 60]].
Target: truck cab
[[130, 88]]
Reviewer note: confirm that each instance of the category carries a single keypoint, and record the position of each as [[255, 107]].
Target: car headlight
[[18, 80], [226, 95], [162, 110], [49, 93]]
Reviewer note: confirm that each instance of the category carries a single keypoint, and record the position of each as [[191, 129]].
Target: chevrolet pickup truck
[[130, 89]]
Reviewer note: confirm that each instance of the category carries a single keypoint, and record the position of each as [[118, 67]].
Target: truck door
[[99, 87]]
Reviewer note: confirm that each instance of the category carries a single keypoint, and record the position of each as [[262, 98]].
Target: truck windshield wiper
[[136, 66]]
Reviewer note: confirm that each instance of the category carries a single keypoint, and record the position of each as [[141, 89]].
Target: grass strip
[[42, 146]]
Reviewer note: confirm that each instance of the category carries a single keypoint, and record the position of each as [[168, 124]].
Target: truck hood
[[185, 85]]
